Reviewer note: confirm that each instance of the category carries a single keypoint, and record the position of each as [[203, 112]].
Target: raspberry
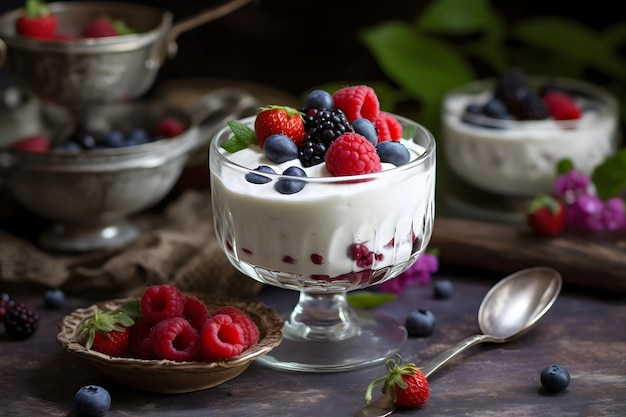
[[250, 329], [222, 338], [160, 302], [389, 128], [6, 302], [36, 143], [175, 339], [352, 154], [357, 101], [170, 127], [195, 312], [140, 340], [561, 105], [21, 321]]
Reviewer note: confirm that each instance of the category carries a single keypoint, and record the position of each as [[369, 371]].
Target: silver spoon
[[510, 308]]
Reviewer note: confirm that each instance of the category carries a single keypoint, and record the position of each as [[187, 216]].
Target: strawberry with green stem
[[282, 120], [37, 21], [108, 332], [546, 215], [406, 384]]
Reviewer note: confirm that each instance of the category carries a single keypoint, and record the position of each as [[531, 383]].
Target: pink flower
[[614, 214], [419, 273]]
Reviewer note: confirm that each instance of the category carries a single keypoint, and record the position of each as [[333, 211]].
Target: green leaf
[[564, 166], [131, 309], [572, 40], [244, 137], [610, 176], [369, 299], [457, 17], [425, 68]]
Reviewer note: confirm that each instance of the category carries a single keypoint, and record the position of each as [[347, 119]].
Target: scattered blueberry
[[364, 127], [92, 401], [319, 99], [442, 288], [255, 178], [53, 298], [289, 185], [68, 146], [555, 378], [279, 148], [420, 323], [86, 140], [393, 152]]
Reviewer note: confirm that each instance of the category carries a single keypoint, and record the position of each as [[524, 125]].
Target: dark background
[[296, 45]]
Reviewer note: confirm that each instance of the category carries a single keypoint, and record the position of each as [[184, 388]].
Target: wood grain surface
[[587, 261]]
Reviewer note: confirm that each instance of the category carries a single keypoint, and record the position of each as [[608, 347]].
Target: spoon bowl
[[511, 308]]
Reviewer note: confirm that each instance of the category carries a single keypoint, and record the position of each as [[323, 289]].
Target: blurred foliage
[[453, 42]]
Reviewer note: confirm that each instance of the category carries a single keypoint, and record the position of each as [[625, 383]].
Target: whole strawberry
[[37, 21], [406, 384], [279, 120], [104, 26], [546, 215], [109, 332]]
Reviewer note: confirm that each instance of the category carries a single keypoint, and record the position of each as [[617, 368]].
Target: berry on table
[[6, 302], [555, 378], [546, 215], [443, 288], [420, 323], [53, 298], [92, 401], [406, 384], [21, 321]]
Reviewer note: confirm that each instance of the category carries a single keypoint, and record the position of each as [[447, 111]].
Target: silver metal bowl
[[98, 70], [88, 196]]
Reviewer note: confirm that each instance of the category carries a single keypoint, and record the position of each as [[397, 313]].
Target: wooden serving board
[[593, 262]]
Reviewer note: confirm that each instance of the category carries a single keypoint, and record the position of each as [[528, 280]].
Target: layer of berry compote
[[320, 225], [507, 135]]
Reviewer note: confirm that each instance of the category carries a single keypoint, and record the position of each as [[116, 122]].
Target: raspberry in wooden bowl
[[506, 135], [165, 375]]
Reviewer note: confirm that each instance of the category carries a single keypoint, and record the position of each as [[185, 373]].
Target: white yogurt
[[520, 158], [303, 239]]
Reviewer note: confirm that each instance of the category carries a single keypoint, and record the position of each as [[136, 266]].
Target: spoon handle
[[451, 352]]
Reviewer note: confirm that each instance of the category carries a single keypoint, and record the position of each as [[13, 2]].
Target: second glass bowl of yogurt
[[518, 158]]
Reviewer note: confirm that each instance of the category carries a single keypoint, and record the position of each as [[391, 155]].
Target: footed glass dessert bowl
[[334, 235]]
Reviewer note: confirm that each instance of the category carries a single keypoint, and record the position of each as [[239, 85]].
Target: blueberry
[[393, 152], [92, 401], [257, 178], [137, 136], [319, 99], [495, 108], [113, 139], [364, 127], [279, 148], [442, 288], [289, 185], [420, 323], [474, 108], [53, 298], [86, 140], [554, 378]]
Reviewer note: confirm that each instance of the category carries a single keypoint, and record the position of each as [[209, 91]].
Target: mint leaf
[[564, 166], [610, 176], [244, 137], [368, 299], [457, 16]]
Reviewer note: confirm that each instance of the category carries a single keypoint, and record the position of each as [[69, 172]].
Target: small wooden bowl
[[165, 376]]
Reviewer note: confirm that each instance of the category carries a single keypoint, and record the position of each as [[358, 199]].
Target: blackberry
[[520, 99], [322, 128], [21, 321]]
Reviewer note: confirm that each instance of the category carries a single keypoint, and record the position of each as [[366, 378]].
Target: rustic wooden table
[[584, 332]]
